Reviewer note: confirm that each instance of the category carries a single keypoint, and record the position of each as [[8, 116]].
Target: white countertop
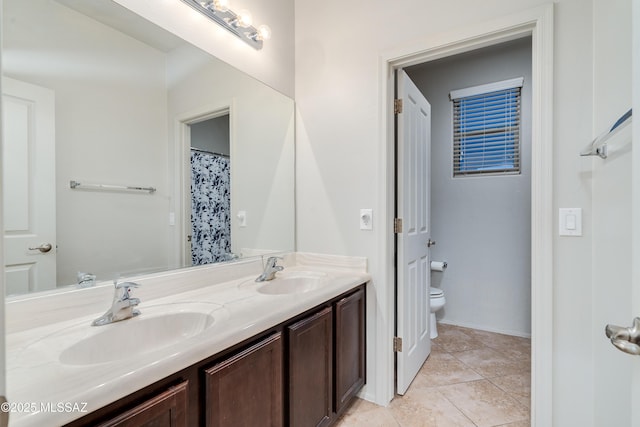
[[36, 377]]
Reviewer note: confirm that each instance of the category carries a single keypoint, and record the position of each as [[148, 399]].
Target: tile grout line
[[512, 353], [456, 406], [485, 378], [463, 382]]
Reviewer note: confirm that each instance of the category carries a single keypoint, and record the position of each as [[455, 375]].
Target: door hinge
[[397, 106], [397, 344], [397, 225]]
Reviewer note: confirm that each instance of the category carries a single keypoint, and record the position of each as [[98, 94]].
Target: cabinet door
[[168, 409], [350, 347], [310, 370], [247, 389]]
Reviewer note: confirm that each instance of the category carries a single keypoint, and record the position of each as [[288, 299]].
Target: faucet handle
[[272, 264], [125, 284], [273, 260], [122, 290]]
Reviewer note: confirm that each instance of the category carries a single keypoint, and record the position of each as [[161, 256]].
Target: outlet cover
[[366, 219]]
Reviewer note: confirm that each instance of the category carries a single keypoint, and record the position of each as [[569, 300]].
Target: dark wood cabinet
[[247, 389], [300, 373], [311, 370], [167, 409], [350, 348], [326, 356]]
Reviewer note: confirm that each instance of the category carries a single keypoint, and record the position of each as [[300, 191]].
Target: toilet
[[436, 302]]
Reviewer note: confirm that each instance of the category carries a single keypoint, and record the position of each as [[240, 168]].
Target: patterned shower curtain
[[210, 208]]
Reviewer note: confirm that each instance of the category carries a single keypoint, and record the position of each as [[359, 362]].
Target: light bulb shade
[[221, 5], [264, 32], [245, 19], [238, 23]]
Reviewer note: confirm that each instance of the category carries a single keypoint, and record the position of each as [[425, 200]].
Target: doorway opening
[[203, 185], [537, 23], [210, 190], [478, 208], [481, 219]]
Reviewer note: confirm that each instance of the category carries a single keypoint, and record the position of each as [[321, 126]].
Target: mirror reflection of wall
[[121, 88], [210, 191]]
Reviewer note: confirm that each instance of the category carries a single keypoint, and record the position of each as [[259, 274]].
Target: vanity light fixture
[[240, 23]]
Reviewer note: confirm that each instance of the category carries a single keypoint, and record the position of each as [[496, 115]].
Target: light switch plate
[[366, 219], [570, 221]]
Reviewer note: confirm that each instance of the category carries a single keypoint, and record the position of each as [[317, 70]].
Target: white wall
[[110, 128], [482, 224], [612, 214], [262, 143], [572, 342], [211, 135], [273, 65], [339, 166]]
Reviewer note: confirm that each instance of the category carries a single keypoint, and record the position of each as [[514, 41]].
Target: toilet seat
[[435, 292]]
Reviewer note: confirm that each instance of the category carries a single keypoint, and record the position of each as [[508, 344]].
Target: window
[[486, 129]]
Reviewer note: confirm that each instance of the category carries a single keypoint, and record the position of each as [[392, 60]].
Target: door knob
[[625, 339], [431, 243], [44, 248]]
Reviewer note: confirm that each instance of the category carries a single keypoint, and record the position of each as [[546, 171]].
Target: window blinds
[[486, 133]]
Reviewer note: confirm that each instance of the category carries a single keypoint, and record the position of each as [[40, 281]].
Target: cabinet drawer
[[168, 409]]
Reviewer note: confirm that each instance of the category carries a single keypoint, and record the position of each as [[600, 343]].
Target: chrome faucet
[[123, 306], [270, 269], [86, 280]]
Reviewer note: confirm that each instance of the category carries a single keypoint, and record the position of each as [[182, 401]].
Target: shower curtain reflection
[[210, 208]]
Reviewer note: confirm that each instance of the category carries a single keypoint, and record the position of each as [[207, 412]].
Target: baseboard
[[487, 329], [365, 395]]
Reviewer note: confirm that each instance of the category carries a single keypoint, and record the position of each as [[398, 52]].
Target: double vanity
[[211, 347]]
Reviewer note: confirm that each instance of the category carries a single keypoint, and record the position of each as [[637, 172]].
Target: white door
[[413, 207], [635, 196], [28, 187], [616, 237]]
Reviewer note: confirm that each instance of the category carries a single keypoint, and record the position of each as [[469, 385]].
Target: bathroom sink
[[157, 327], [294, 282]]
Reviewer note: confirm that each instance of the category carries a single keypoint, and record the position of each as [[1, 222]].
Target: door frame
[[182, 172], [537, 23]]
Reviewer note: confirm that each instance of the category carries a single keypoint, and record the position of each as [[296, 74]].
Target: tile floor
[[471, 379]]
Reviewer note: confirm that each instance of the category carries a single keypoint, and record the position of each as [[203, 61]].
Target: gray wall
[[482, 225], [211, 135]]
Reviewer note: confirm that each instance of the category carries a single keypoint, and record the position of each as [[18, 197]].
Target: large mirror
[[128, 151]]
